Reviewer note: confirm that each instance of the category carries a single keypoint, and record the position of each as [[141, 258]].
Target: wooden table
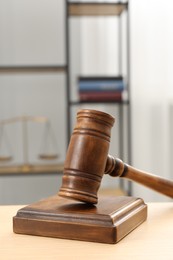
[[151, 240]]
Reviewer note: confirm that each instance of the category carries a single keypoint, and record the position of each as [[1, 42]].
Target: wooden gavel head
[[87, 156]]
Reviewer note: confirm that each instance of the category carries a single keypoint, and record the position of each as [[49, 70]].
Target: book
[[101, 96], [101, 84]]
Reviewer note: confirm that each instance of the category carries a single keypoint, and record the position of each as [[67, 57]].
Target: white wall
[[32, 33], [152, 92]]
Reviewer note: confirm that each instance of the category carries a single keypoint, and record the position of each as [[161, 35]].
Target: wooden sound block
[[107, 222]]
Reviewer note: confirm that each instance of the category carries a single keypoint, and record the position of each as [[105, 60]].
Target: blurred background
[[45, 47]]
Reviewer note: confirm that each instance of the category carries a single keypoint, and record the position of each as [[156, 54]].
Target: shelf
[[31, 169], [96, 9], [32, 68], [126, 102]]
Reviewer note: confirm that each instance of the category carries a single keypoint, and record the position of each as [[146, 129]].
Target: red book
[[100, 96]]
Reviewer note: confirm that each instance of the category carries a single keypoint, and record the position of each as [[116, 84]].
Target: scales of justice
[[48, 149], [76, 212]]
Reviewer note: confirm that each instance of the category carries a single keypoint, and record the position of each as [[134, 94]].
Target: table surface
[[151, 240]]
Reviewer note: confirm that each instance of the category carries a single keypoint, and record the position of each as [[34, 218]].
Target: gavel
[[87, 160]]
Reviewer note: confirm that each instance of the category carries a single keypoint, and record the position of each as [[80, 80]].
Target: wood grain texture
[[96, 9], [31, 169], [151, 240], [87, 160], [117, 168], [86, 156], [108, 222]]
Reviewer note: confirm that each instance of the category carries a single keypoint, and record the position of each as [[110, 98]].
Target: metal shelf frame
[[82, 9]]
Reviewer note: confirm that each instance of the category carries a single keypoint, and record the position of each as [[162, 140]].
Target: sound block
[[108, 222]]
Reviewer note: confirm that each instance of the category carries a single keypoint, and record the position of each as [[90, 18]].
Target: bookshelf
[[79, 10], [99, 9], [31, 169], [90, 9], [32, 69]]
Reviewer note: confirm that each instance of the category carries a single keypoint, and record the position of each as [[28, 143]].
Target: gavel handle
[[115, 167]]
